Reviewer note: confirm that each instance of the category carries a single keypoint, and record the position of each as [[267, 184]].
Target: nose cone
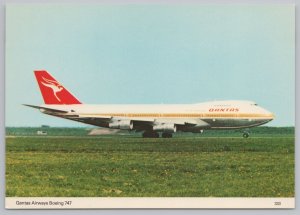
[[269, 116]]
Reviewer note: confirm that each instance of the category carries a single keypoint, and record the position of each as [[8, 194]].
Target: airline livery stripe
[[184, 115]]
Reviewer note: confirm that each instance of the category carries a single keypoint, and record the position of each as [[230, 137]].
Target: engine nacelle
[[165, 127], [121, 124]]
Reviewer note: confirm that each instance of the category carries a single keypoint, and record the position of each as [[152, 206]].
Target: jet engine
[[121, 124], [165, 127]]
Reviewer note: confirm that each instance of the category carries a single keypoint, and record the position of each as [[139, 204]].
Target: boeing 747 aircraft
[[152, 120]]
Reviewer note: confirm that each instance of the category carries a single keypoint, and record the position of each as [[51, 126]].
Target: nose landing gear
[[245, 134]]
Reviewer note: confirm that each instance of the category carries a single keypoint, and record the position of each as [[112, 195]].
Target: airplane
[[152, 120]]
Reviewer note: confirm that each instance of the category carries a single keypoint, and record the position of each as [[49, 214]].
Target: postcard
[[150, 106]]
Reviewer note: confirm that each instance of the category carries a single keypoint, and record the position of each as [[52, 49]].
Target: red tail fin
[[52, 91]]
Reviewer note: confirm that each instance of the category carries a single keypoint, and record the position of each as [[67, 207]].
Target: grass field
[[261, 131], [130, 166]]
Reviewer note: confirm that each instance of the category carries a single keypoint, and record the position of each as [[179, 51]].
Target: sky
[[152, 54]]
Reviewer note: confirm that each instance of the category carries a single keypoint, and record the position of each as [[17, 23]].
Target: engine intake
[[165, 127], [121, 124]]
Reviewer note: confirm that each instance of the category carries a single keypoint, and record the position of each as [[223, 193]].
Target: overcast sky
[[130, 54]]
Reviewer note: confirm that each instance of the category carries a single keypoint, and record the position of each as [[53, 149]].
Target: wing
[[68, 114], [139, 124], [143, 124]]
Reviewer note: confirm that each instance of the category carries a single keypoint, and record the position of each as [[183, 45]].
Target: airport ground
[[127, 165]]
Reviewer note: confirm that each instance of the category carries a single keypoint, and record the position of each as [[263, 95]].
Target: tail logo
[[54, 85]]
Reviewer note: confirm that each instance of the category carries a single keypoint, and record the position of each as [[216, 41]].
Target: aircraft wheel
[[245, 135], [148, 134], [155, 135], [166, 135]]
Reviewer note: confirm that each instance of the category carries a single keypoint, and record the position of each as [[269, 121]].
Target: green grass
[[261, 131], [137, 167]]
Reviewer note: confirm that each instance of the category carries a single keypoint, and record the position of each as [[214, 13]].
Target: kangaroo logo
[[54, 85]]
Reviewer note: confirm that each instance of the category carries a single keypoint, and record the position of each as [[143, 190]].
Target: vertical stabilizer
[[52, 91]]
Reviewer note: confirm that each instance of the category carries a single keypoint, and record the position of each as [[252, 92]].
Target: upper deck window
[[222, 105]]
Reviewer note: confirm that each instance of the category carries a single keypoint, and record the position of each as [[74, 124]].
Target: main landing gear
[[166, 135], [153, 134], [150, 134]]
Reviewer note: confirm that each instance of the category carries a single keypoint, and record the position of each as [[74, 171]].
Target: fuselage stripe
[[183, 115]]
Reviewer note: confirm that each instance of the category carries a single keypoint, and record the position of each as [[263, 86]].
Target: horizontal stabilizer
[[47, 109]]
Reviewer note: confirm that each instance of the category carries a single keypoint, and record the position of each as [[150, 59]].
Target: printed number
[[68, 202], [277, 203]]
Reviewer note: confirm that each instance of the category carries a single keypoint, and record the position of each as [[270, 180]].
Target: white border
[[145, 202], [5, 201]]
